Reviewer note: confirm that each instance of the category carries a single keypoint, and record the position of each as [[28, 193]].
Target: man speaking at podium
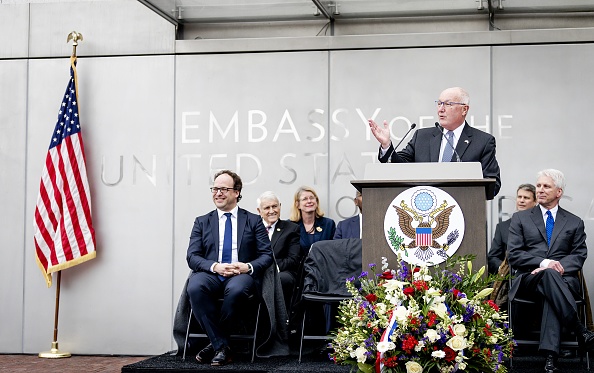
[[453, 140]]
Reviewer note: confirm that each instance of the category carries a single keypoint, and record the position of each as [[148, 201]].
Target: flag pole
[[54, 352]]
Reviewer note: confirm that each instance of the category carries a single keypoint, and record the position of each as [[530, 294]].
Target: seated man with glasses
[[453, 140], [228, 254]]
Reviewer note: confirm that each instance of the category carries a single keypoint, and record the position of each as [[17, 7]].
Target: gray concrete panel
[[13, 132], [120, 302], [14, 30], [108, 28], [262, 115]]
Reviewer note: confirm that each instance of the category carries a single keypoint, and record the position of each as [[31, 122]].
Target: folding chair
[[326, 268], [531, 337], [246, 336]]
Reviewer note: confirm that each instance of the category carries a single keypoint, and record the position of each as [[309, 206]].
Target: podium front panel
[[377, 199]]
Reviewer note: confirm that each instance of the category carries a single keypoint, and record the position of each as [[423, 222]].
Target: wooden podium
[[463, 181]]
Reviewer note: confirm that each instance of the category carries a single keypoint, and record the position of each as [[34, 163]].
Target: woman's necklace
[[310, 230]]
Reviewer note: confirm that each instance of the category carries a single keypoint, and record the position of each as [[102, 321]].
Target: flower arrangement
[[415, 319]]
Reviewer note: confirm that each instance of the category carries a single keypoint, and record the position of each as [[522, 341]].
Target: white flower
[[394, 285], [440, 309], [419, 346], [359, 353], [432, 335], [462, 366], [483, 293], [401, 314], [493, 339], [459, 330], [385, 346], [457, 319], [456, 343], [463, 301], [413, 367], [438, 354]]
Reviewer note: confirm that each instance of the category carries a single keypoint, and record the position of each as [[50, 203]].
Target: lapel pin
[[466, 141]]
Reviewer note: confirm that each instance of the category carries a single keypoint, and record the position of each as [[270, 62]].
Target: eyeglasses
[[215, 190], [448, 104], [306, 199]]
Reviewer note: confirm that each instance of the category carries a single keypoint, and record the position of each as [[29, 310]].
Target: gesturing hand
[[381, 133]]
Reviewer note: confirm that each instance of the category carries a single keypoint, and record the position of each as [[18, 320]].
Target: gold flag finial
[[75, 37]]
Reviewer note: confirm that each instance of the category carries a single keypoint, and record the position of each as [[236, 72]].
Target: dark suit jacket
[[527, 245], [348, 228], [324, 229], [473, 146], [253, 245], [499, 246], [285, 244]]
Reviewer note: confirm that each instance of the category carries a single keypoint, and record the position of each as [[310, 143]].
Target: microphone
[[412, 126], [438, 126]]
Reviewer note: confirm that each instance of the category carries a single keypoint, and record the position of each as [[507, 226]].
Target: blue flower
[[363, 274]]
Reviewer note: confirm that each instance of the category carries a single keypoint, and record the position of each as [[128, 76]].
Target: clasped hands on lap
[[231, 269], [553, 264]]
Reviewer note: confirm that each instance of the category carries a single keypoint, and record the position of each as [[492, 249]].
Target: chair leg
[[256, 332], [187, 335], [302, 333]]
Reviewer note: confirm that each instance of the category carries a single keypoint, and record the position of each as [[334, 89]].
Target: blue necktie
[[448, 151], [549, 226], [227, 242]]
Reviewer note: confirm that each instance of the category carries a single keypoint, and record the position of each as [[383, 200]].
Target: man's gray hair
[[266, 195], [556, 175]]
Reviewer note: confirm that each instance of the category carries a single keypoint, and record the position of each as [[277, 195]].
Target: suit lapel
[[276, 233], [435, 145], [464, 141], [241, 223], [213, 220], [536, 216], [560, 221]]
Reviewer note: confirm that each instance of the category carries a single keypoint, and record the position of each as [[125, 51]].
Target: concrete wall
[[159, 116]]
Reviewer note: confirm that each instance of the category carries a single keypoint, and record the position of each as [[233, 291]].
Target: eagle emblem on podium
[[428, 225]]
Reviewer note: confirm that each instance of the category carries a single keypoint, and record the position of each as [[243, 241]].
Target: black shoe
[[586, 339], [566, 354], [550, 365], [222, 357], [206, 354]]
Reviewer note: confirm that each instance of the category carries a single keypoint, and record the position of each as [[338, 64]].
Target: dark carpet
[[312, 363]]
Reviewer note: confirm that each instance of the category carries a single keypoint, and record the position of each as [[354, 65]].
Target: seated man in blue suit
[[546, 250], [351, 227], [228, 254]]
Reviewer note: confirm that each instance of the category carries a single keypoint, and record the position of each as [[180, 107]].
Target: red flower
[[456, 292], [450, 354], [391, 362], [371, 298], [409, 343], [487, 330], [493, 305], [416, 269], [387, 275], [408, 291], [420, 285], [432, 317]]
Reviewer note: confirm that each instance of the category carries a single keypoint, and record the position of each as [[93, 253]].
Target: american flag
[[64, 234], [424, 236]]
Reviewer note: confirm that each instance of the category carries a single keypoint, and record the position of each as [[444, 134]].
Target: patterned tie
[[549, 226], [448, 151], [227, 242]]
